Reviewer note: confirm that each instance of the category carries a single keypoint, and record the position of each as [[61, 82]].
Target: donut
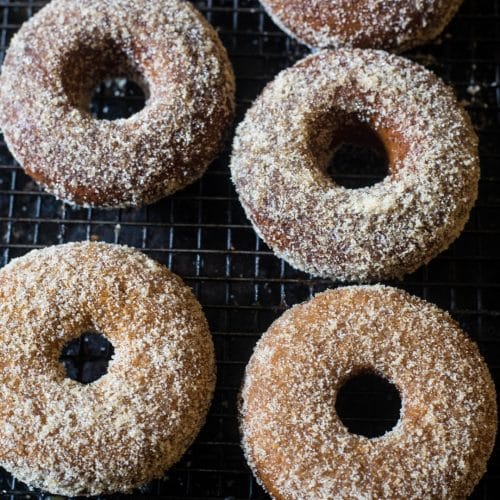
[[283, 147], [137, 420], [50, 72], [395, 25], [298, 447]]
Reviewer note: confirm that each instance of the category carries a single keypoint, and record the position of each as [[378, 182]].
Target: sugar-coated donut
[[295, 442], [137, 420], [380, 24], [283, 146], [52, 67]]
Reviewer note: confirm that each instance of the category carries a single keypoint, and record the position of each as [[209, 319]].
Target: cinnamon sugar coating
[[52, 67], [295, 442], [137, 420], [395, 25], [283, 147]]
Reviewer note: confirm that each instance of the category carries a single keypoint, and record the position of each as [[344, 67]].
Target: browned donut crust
[[380, 24], [282, 149], [295, 442], [133, 423], [61, 54]]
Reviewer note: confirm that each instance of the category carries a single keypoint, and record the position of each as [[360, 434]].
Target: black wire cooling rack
[[202, 234]]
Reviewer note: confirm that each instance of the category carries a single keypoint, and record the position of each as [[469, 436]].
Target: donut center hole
[[359, 158], [101, 80], [368, 405], [86, 358], [117, 98]]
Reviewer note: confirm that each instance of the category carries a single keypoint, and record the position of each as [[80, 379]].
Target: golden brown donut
[[137, 420], [59, 56], [294, 441], [282, 150], [379, 24]]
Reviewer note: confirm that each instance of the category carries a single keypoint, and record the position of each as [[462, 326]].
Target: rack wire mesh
[[202, 234]]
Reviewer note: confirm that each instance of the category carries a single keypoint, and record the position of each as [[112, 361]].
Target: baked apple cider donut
[[395, 25], [283, 147], [52, 68], [293, 438], [137, 420]]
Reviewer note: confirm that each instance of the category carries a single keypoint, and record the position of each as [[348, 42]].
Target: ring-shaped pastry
[[137, 420], [283, 147], [52, 67], [297, 445], [395, 25]]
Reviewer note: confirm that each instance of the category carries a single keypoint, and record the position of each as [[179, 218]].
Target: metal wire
[[203, 235]]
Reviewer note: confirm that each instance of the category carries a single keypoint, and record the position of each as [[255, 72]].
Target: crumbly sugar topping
[[282, 148], [133, 423], [295, 442], [380, 24], [58, 57]]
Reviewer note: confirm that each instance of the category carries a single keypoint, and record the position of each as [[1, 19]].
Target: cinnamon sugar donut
[[295, 442], [380, 24], [137, 420], [61, 54], [283, 146]]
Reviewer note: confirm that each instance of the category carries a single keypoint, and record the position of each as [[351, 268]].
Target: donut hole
[[368, 405], [104, 83], [86, 358], [117, 98], [359, 158]]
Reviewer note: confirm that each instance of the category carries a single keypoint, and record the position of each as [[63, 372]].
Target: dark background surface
[[202, 234]]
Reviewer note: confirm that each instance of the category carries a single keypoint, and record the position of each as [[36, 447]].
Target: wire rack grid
[[202, 234]]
